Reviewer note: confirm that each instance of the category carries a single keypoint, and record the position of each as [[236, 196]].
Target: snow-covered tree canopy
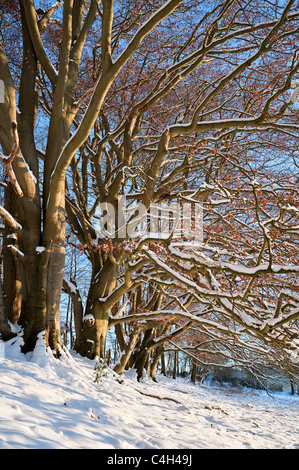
[[159, 104]]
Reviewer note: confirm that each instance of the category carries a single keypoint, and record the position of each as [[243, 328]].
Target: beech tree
[[41, 222], [160, 102], [226, 164]]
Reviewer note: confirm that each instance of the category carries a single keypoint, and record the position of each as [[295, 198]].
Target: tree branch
[[8, 161], [10, 220], [37, 42]]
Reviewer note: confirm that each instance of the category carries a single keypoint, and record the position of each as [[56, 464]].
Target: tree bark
[[159, 353], [5, 330], [93, 337], [11, 265], [74, 294], [143, 353], [193, 372], [127, 352], [175, 365]]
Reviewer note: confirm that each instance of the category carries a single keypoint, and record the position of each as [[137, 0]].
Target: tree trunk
[[193, 372], [55, 270], [163, 363], [12, 285], [5, 330], [36, 307], [175, 365], [93, 336], [127, 353], [143, 353], [44, 278], [22, 275], [159, 354], [120, 336], [73, 292]]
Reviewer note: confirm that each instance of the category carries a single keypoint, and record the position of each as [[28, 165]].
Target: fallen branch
[[156, 396]]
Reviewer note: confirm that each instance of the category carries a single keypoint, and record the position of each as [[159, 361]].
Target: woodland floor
[[55, 404]]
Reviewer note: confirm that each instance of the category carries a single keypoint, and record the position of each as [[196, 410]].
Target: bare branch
[[8, 161], [37, 41], [10, 220]]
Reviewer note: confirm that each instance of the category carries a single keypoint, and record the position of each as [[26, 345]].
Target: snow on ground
[[55, 404]]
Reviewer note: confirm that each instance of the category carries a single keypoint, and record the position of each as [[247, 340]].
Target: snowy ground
[[50, 404]]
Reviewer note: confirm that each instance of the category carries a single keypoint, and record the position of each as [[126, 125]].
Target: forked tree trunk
[[121, 365], [42, 277], [143, 353]]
